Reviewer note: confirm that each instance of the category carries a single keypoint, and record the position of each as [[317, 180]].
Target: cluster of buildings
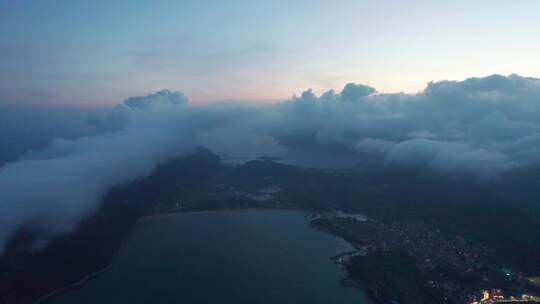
[[496, 296], [487, 297], [455, 267]]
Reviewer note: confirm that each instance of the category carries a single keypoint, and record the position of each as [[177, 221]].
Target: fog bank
[[478, 127]]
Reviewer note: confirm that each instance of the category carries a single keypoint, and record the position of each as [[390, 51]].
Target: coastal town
[[456, 268]]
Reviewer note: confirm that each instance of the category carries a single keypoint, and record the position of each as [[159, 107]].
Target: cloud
[[448, 157], [51, 190], [480, 127], [355, 91]]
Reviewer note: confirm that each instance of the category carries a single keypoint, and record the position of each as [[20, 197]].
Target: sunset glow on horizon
[[111, 51]]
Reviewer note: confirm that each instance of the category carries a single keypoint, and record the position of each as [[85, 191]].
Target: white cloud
[[480, 127]]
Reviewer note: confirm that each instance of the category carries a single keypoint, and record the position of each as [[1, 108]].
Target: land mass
[[468, 231]]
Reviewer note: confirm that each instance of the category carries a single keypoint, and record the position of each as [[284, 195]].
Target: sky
[[95, 53]]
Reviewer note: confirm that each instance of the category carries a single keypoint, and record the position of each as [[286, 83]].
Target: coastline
[[187, 211], [346, 281], [79, 283], [86, 278], [98, 272]]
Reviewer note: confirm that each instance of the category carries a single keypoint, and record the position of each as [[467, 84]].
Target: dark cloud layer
[[479, 127]]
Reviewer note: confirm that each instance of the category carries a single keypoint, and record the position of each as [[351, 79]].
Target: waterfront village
[[456, 268]]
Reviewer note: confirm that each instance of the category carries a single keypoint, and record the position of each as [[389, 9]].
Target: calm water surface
[[249, 256]]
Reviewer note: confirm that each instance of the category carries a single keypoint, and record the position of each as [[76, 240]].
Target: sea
[[228, 256]]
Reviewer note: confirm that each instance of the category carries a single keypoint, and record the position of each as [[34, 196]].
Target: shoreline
[[86, 278], [346, 281], [80, 282], [187, 211]]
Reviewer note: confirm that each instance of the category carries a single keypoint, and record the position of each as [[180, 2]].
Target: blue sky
[[94, 53]]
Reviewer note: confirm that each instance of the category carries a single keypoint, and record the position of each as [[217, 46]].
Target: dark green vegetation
[[503, 215], [28, 274], [392, 276]]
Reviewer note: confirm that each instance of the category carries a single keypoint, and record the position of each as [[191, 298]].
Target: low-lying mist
[[479, 128]]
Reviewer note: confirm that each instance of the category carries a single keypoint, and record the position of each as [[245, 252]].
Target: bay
[[240, 256]]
